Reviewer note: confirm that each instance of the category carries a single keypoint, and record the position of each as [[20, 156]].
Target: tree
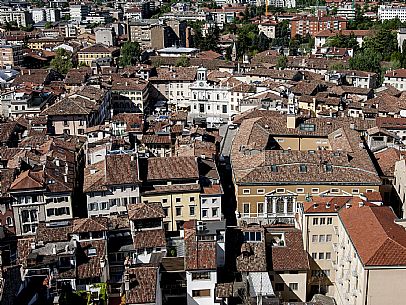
[[48, 25], [182, 61], [62, 61], [383, 42], [281, 62], [263, 42], [130, 53], [342, 41], [366, 60]]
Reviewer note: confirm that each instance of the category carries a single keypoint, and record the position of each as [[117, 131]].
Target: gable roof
[[89, 225], [28, 180], [145, 211]]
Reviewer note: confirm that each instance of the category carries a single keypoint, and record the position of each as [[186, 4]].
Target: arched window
[[280, 205], [9, 221]]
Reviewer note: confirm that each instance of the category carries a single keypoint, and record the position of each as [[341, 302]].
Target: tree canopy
[[62, 61], [130, 53]]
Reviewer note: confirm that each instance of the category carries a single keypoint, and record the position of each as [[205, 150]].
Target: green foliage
[[247, 41], [129, 54], [209, 42], [366, 60], [342, 41], [383, 42], [182, 61], [281, 62], [48, 25], [263, 42], [282, 34], [337, 67], [62, 61]]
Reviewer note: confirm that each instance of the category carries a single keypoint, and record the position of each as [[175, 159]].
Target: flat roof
[[177, 50]]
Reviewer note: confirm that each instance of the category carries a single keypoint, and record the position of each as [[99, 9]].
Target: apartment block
[[311, 25], [11, 55]]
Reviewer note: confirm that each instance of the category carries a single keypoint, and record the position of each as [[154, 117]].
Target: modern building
[[303, 25], [79, 12], [388, 12], [11, 55], [396, 78]]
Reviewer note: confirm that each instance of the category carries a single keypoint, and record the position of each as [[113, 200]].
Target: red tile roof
[[149, 239], [145, 211], [143, 282], [378, 240], [172, 168], [198, 254]]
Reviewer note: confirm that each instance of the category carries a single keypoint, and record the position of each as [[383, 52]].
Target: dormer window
[[303, 168], [278, 240], [274, 168], [328, 168], [91, 252]]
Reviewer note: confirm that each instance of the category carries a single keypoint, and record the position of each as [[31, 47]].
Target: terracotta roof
[[331, 33], [198, 255], [399, 73], [386, 160], [174, 74], [145, 211], [48, 234], [149, 239], [252, 255], [172, 168], [156, 139], [88, 267], [134, 121], [378, 240], [391, 123], [143, 282], [292, 255], [121, 169], [98, 48], [98, 224], [327, 204], [28, 180]]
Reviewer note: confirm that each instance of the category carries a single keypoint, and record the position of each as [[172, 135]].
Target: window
[[315, 238], [289, 202], [303, 168], [9, 221], [315, 221], [322, 220], [224, 108], [192, 211], [274, 168], [177, 200], [314, 255], [329, 220], [204, 213], [315, 190], [322, 238], [200, 276], [294, 286], [192, 199], [279, 287], [280, 190], [328, 168], [328, 255], [246, 191], [164, 200], [201, 293], [165, 211], [215, 212], [280, 205], [246, 207], [252, 236], [300, 190], [178, 211], [260, 191], [91, 252], [335, 191], [328, 237], [260, 207], [355, 191], [321, 255]]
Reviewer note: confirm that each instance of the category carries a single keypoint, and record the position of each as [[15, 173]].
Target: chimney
[[54, 249], [347, 205], [315, 205], [361, 204], [126, 282], [29, 71], [102, 262], [328, 205], [291, 121], [33, 245]]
